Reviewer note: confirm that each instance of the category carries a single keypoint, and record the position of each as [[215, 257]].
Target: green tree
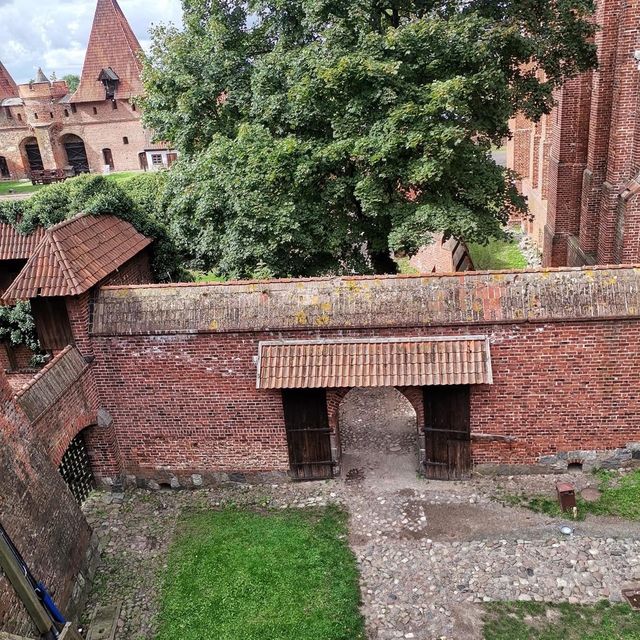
[[318, 135], [72, 81]]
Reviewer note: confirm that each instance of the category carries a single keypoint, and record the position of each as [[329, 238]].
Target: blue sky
[[53, 34]]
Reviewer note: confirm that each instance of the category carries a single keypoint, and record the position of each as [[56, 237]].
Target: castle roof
[[41, 77], [8, 87], [112, 45], [75, 255]]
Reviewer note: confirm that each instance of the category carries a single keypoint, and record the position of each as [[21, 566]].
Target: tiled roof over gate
[[18, 246], [75, 255], [374, 362]]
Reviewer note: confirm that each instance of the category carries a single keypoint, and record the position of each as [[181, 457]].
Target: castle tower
[[8, 88], [112, 65]]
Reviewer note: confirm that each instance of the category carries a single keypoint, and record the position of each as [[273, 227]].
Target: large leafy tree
[[318, 135]]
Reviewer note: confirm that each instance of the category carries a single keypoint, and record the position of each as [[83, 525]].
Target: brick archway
[[336, 399]]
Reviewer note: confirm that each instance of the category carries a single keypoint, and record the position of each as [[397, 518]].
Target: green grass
[[405, 267], [620, 497], [119, 176], [211, 276], [18, 186], [498, 254], [282, 575], [539, 621]]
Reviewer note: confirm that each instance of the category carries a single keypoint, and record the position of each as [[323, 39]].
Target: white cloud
[[54, 35]]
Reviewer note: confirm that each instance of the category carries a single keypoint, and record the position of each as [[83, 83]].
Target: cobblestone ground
[[429, 553]]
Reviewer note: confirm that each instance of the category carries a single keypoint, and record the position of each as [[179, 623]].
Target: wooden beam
[[16, 577]]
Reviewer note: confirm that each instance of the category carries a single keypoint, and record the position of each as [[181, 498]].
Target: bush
[[134, 200], [17, 327]]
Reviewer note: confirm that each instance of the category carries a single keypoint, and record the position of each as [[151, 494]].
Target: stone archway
[[378, 435], [76, 153]]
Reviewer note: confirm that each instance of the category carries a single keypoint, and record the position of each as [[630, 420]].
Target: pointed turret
[[113, 50], [41, 78], [8, 87]]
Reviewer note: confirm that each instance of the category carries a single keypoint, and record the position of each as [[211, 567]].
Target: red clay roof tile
[[18, 246], [75, 255], [374, 362], [112, 43]]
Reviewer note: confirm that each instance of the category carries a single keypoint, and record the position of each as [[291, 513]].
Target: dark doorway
[[142, 159], [307, 423], [75, 469], [108, 158], [33, 155], [4, 168], [76, 154], [52, 323], [447, 432]]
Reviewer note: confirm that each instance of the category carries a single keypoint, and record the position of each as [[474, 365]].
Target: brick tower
[[580, 166]]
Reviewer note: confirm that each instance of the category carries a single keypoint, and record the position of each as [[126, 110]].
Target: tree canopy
[[318, 135]]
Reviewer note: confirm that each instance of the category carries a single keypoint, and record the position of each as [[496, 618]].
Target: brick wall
[[178, 376], [595, 152], [42, 517]]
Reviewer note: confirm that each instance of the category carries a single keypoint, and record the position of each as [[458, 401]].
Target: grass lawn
[[620, 497], [539, 621], [245, 575], [119, 176], [498, 254], [18, 186]]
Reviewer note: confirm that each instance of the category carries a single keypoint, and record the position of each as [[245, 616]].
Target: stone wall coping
[[357, 302]]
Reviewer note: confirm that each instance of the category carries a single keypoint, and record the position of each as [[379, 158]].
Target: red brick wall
[[594, 154], [187, 404], [41, 516]]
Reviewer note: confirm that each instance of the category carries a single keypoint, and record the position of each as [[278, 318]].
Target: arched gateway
[[434, 374]]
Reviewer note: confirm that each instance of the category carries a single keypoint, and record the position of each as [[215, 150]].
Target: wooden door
[[307, 423], [447, 432]]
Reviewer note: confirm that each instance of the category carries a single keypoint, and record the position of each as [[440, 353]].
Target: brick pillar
[[568, 157], [607, 15], [617, 226]]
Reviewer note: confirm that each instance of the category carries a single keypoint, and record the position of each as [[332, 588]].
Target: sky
[[53, 34]]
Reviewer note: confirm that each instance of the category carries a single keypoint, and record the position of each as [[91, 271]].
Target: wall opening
[[574, 466], [107, 156], [32, 154], [75, 469], [76, 153], [378, 435], [4, 168]]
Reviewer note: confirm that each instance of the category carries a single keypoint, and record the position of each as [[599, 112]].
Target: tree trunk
[[383, 263]]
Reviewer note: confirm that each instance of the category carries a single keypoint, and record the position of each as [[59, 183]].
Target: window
[[156, 159], [114, 105], [73, 108], [7, 110], [35, 115], [95, 111], [133, 106], [125, 140], [108, 158], [51, 114], [20, 117], [66, 113]]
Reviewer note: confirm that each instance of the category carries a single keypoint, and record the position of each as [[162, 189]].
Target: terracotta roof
[[112, 43], [18, 246], [8, 87], [374, 362], [75, 255]]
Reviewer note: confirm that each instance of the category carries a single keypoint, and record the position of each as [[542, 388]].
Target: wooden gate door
[[447, 432], [307, 422]]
